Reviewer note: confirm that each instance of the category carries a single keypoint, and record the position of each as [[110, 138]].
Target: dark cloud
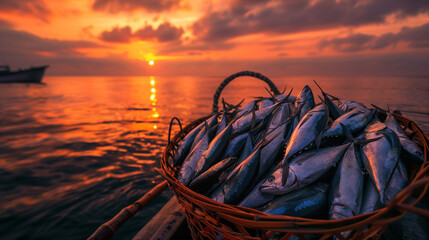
[[300, 15], [415, 37], [5, 24], [115, 6], [22, 49], [24, 42], [351, 43], [35, 8], [163, 33], [117, 34]]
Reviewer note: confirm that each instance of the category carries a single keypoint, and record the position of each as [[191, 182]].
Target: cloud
[[5, 24], [163, 33], [415, 37], [280, 17], [35, 8], [117, 34], [24, 49], [115, 6], [24, 42]]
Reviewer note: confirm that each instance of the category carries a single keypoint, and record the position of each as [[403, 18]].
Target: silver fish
[[186, 172], [348, 105], [308, 131], [310, 201], [235, 146], [236, 183], [381, 157], [334, 111], [279, 116], [223, 123], [214, 150], [246, 109], [244, 123], [305, 101], [304, 170], [185, 145], [370, 198], [213, 177], [346, 199], [355, 120], [211, 122], [285, 97], [270, 152], [398, 182], [411, 150], [266, 102], [257, 198], [247, 149]]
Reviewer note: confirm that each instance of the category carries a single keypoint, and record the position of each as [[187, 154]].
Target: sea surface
[[74, 151]]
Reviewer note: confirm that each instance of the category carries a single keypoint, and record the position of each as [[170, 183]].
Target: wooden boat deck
[[168, 223]]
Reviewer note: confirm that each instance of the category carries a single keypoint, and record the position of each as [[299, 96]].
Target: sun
[[151, 62]]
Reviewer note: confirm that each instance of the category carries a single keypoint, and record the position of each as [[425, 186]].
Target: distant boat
[[33, 74]]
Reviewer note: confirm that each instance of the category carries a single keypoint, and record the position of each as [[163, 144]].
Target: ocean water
[[74, 151]]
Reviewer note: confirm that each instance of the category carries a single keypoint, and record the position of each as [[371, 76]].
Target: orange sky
[[293, 37]]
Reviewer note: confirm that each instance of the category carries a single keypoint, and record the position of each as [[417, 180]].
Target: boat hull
[[28, 75]]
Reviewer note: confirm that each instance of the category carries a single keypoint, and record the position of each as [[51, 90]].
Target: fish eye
[[271, 178]]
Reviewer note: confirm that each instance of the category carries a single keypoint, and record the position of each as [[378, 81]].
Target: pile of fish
[[287, 155]]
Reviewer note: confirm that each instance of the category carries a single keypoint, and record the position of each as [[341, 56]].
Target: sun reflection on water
[[153, 99]]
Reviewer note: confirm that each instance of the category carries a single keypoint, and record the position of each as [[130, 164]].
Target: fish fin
[[268, 90], [388, 138], [318, 86], [252, 125], [225, 104], [239, 104], [380, 109], [285, 173], [347, 132], [366, 141], [333, 97], [284, 90], [388, 108], [321, 98]]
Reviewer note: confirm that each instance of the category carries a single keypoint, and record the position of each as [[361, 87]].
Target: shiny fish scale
[[398, 182], [411, 150], [348, 105], [186, 144], [305, 101], [354, 120], [244, 123], [381, 157], [306, 202], [186, 172], [307, 131], [238, 180], [347, 187], [213, 151], [304, 169]]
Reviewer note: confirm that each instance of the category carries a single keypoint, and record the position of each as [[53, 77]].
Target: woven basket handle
[[227, 80]]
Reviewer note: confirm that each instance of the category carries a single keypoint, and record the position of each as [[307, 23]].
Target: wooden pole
[[109, 228]]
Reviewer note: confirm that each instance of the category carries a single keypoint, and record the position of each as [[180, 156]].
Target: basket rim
[[254, 218]]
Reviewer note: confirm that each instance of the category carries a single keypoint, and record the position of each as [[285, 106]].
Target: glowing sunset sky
[[211, 37]]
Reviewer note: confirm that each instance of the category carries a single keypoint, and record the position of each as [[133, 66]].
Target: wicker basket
[[209, 219]]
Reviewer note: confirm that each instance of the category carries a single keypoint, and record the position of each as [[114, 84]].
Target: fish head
[[305, 94], [273, 184]]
